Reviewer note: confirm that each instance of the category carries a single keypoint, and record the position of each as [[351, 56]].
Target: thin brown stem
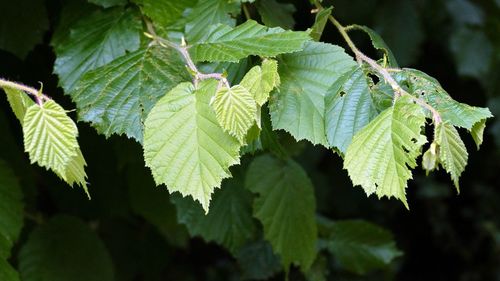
[[39, 97], [361, 57], [183, 50]]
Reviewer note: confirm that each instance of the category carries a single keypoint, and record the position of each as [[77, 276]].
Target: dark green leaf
[[257, 261], [275, 14]]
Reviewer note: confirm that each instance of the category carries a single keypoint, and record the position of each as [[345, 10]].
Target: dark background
[[444, 236]]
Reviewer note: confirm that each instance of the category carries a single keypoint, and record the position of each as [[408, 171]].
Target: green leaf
[[458, 114], [235, 110], [164, 13], [7, 273], [477, 132], [95, 41], [23, 24], [452, 152], [184, 145], [261, 80], [71, 12], [109, 3], [276, 14], [19, 102], [64, 249], [430, 159], [360, 246], [223, 43], [229, 222], [299, 105], [286, 207], [117, 97], [50, 140], [320, 23], [207, 13], [257, 261], [378, 43], [349, 107], [11, 211], [382, 153]]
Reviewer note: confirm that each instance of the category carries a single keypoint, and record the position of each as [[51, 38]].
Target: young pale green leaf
[[235, 109], [117, 97], [207, 13], [429, 89], [299, 105], [50, 137], [164, 13], [7, 272], [184, 145], [382, 153], [477, 132], [452, 152], [320, 23], [229, 222], [286, 208], [349, 107], [19, 102], [430, 159], [261, 80], [224, 43], [378, 43], [95, 41], [65, 249], [274, 13], [360, 246], [11, 210]]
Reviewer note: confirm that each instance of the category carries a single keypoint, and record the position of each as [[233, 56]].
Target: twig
[[361, 57], [37, 94], [183, 50]]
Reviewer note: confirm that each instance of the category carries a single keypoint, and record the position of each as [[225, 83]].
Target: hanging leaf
[[286, 208], [19, 102], [184, 145], [320, 23], [452, 152], [382, 153]]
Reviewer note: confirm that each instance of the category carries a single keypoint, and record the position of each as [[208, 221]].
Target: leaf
[[71, 12], [11, 211], [95, 41], [477, 132], [465, 44], [299, 105], [452, 152], [23, 24], [360, 246], [184, 145], [378, 43], [7, 273], [64, 249], [235, 110], [276, 14], [261, 80], [50, 140], [430, 159], [429, 89], [109, 3], [349, 107], [320, 23], [19, 102], [229, 222], [117, 97], [207, 13], [382, 153], [164, 13], [257, 261], [286, 207], [223, 43]]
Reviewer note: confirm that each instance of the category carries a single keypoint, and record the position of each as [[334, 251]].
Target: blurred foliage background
[[444, 236]]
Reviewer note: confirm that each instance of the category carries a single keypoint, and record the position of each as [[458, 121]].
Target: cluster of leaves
[[198, 90]]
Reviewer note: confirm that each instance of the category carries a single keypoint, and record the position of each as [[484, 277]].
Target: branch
[[37, 94], [183, 50], [361, 57]]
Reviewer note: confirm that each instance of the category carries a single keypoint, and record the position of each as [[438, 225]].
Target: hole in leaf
[[342, 94]]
